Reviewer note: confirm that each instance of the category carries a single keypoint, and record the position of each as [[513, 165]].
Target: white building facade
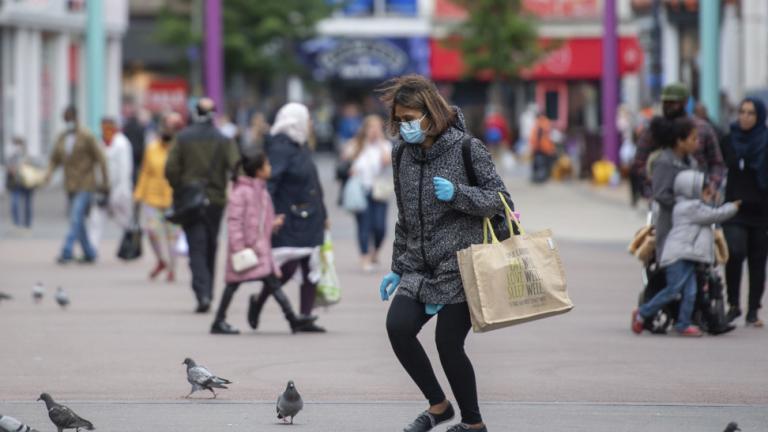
[[43, 67]]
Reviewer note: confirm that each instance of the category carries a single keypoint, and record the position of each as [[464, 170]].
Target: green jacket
[[80, 163], [191, 159]]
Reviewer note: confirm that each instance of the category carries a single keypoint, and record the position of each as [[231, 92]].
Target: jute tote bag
[[514, 281]]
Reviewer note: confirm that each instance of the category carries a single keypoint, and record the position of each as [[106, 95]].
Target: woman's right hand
[[389, 285]]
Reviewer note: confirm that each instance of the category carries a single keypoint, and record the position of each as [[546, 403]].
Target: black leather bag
[[191, 199], [130, 246]]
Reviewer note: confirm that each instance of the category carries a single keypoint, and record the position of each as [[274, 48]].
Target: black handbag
[[130, 245], [191, 199]]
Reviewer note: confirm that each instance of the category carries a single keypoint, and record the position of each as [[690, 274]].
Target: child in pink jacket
[[250, 222]]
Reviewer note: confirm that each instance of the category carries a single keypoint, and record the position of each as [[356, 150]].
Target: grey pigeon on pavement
[[63, 417], [289, 403], [4, 296], [38, 291], [202, 379], [10, 424], [62, 298], [732, 427]]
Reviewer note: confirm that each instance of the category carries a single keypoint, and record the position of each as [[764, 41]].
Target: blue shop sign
[[366, 58]]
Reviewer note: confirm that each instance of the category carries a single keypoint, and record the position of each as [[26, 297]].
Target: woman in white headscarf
[[297, 194]]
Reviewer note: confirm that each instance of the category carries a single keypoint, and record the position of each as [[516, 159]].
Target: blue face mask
[[411, 131]]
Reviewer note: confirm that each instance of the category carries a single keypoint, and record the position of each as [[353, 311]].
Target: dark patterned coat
[[429, 232]]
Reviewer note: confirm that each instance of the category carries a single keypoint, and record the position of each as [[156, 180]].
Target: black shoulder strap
[[466, 153], [396, 172]]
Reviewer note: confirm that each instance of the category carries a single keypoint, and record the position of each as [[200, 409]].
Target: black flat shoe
[[223, 328], [461, 427], [426, 420], [304, 322], [204, 306], [309, 327]]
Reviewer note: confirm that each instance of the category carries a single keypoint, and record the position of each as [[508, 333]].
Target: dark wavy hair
[[667, 132], [249, 165], [416, 92]]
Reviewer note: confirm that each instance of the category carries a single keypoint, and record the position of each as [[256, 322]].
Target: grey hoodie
[[429, 232], [691, 237]]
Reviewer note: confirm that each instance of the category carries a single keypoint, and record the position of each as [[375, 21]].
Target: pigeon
[[4, 296], [63, 417], [10, 424], [38, 291], [202, 379], [62, 298], [732, 427], [289, 403]]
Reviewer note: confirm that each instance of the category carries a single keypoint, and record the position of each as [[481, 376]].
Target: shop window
[[402, 7], [354, 8], [552, 104]]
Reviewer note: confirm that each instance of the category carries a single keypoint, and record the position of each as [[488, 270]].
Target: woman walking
[[154, 195], [21, 194], [439, 213], [251, 221], [745, 151], [370, 154], [296, 192]]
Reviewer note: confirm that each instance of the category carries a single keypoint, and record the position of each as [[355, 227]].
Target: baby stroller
[[708, 311], [709, 308]]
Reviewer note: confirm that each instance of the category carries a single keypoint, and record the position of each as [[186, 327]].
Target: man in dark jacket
[[202, 153], [708, 156]]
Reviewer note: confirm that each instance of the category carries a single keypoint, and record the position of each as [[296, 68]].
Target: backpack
[[498, 221]]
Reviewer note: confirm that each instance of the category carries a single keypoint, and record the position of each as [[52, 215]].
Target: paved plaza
[[115, 355]]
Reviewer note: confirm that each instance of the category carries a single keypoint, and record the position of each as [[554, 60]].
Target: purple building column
[[214, 60], [610, 82]]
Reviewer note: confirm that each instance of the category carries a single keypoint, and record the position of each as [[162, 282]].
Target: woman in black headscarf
[[745, 151]]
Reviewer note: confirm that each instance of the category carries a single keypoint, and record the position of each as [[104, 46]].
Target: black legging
[[405, 319], [271, 286], [748, 243]]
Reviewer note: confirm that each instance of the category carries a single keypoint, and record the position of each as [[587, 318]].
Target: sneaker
[[426, 420], [637, 321], [733, 313], [223, 328], [461, 427], [62, 260], [690, 331], [86, 260]]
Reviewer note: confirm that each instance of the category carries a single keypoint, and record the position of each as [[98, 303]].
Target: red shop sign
[[167, 95], [580, 58]]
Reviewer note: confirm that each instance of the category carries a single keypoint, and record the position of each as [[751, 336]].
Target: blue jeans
[[79, 203], [21, 202], [371, 222], [681, 278]]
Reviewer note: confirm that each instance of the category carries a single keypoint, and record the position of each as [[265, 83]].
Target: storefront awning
[[579, 58]]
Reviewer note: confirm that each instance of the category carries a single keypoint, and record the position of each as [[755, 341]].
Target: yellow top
[[153, 188]]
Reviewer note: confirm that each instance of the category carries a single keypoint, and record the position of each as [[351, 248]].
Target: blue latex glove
[[444, 189], [389, 285], [432, 309]]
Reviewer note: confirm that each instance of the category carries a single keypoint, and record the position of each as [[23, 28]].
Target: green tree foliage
[[258, 34], [498, 38]]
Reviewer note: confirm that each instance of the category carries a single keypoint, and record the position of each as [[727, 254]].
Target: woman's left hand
[[444, 189]]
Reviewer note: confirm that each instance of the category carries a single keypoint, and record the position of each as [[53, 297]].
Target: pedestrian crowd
[[708, 193]]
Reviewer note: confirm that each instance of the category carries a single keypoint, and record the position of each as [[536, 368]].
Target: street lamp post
[[610, 82], [95, 51], [214, 84]]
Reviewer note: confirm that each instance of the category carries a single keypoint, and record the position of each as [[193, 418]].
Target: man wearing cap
[[674, 97], [203, 154]]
